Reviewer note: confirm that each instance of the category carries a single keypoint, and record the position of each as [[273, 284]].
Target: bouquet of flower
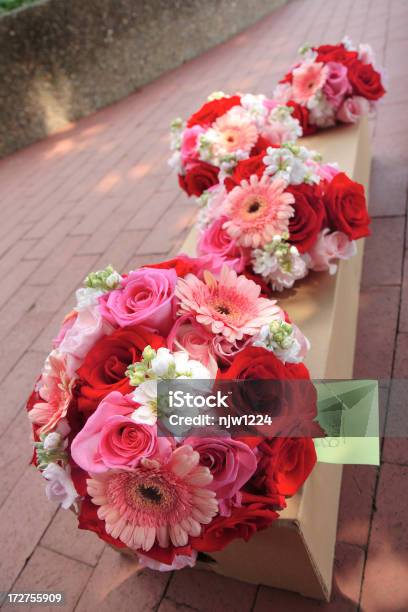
[[98, 427], [226, 130], [281, 214], [332, 84]]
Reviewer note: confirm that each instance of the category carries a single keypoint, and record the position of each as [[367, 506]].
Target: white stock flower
[[60, 487], [53, 441], [322, 113]]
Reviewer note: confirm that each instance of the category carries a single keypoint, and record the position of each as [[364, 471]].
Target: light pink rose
[[353, 108], [78, 335], [328, 248], [186, 334], [226, 350], [189, 143], [111, 439], [217, 241], [337, 85], [231, 463], [146, 298]]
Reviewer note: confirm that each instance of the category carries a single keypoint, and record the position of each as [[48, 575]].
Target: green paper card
[[348, 412]]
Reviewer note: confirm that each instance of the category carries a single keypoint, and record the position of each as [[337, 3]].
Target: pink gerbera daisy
[[258, 210], [308, 78], [163, 503], [56, 390], [234, 131], [230, 307]]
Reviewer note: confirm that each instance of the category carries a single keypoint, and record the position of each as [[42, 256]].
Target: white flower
[[279, 269], [190, 368], [175, 162], [282, 163], [87, 297], [255, 106], [145, 395], [60, 487], [322, 113], [285, 340], [348, 43], [53, 441], [162, 363]]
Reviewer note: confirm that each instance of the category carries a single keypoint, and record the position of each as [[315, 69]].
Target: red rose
[[260, 146], [182, 264], [306, 223], [199, 176], [285, 465], [256, 513], [366, 81], [210, 111], [244, 169], [287, 394], [104, 367], [346, 207], [302, 114], [335, 53]]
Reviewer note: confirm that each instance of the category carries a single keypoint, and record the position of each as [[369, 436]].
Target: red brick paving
[[101, 192]]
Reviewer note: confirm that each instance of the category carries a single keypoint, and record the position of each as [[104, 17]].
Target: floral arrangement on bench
[[98, 430], [281, 214], [332, 84], [224, 131]]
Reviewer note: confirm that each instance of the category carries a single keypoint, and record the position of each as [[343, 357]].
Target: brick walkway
[[101, 193]]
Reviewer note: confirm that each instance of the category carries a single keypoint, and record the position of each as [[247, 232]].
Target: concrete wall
[[63, 59]]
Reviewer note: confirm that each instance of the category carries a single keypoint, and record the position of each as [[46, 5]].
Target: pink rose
[[353, 108], [226, 350], [231, 463], [145, 298], [337, 85], [217, 241], [111, 439], [189, 143], [330, 247], [187, 335]]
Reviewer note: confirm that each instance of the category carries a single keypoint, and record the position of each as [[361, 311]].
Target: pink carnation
[[56, 390]]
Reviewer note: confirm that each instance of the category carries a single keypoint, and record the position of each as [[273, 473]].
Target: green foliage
[[10, 5]]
